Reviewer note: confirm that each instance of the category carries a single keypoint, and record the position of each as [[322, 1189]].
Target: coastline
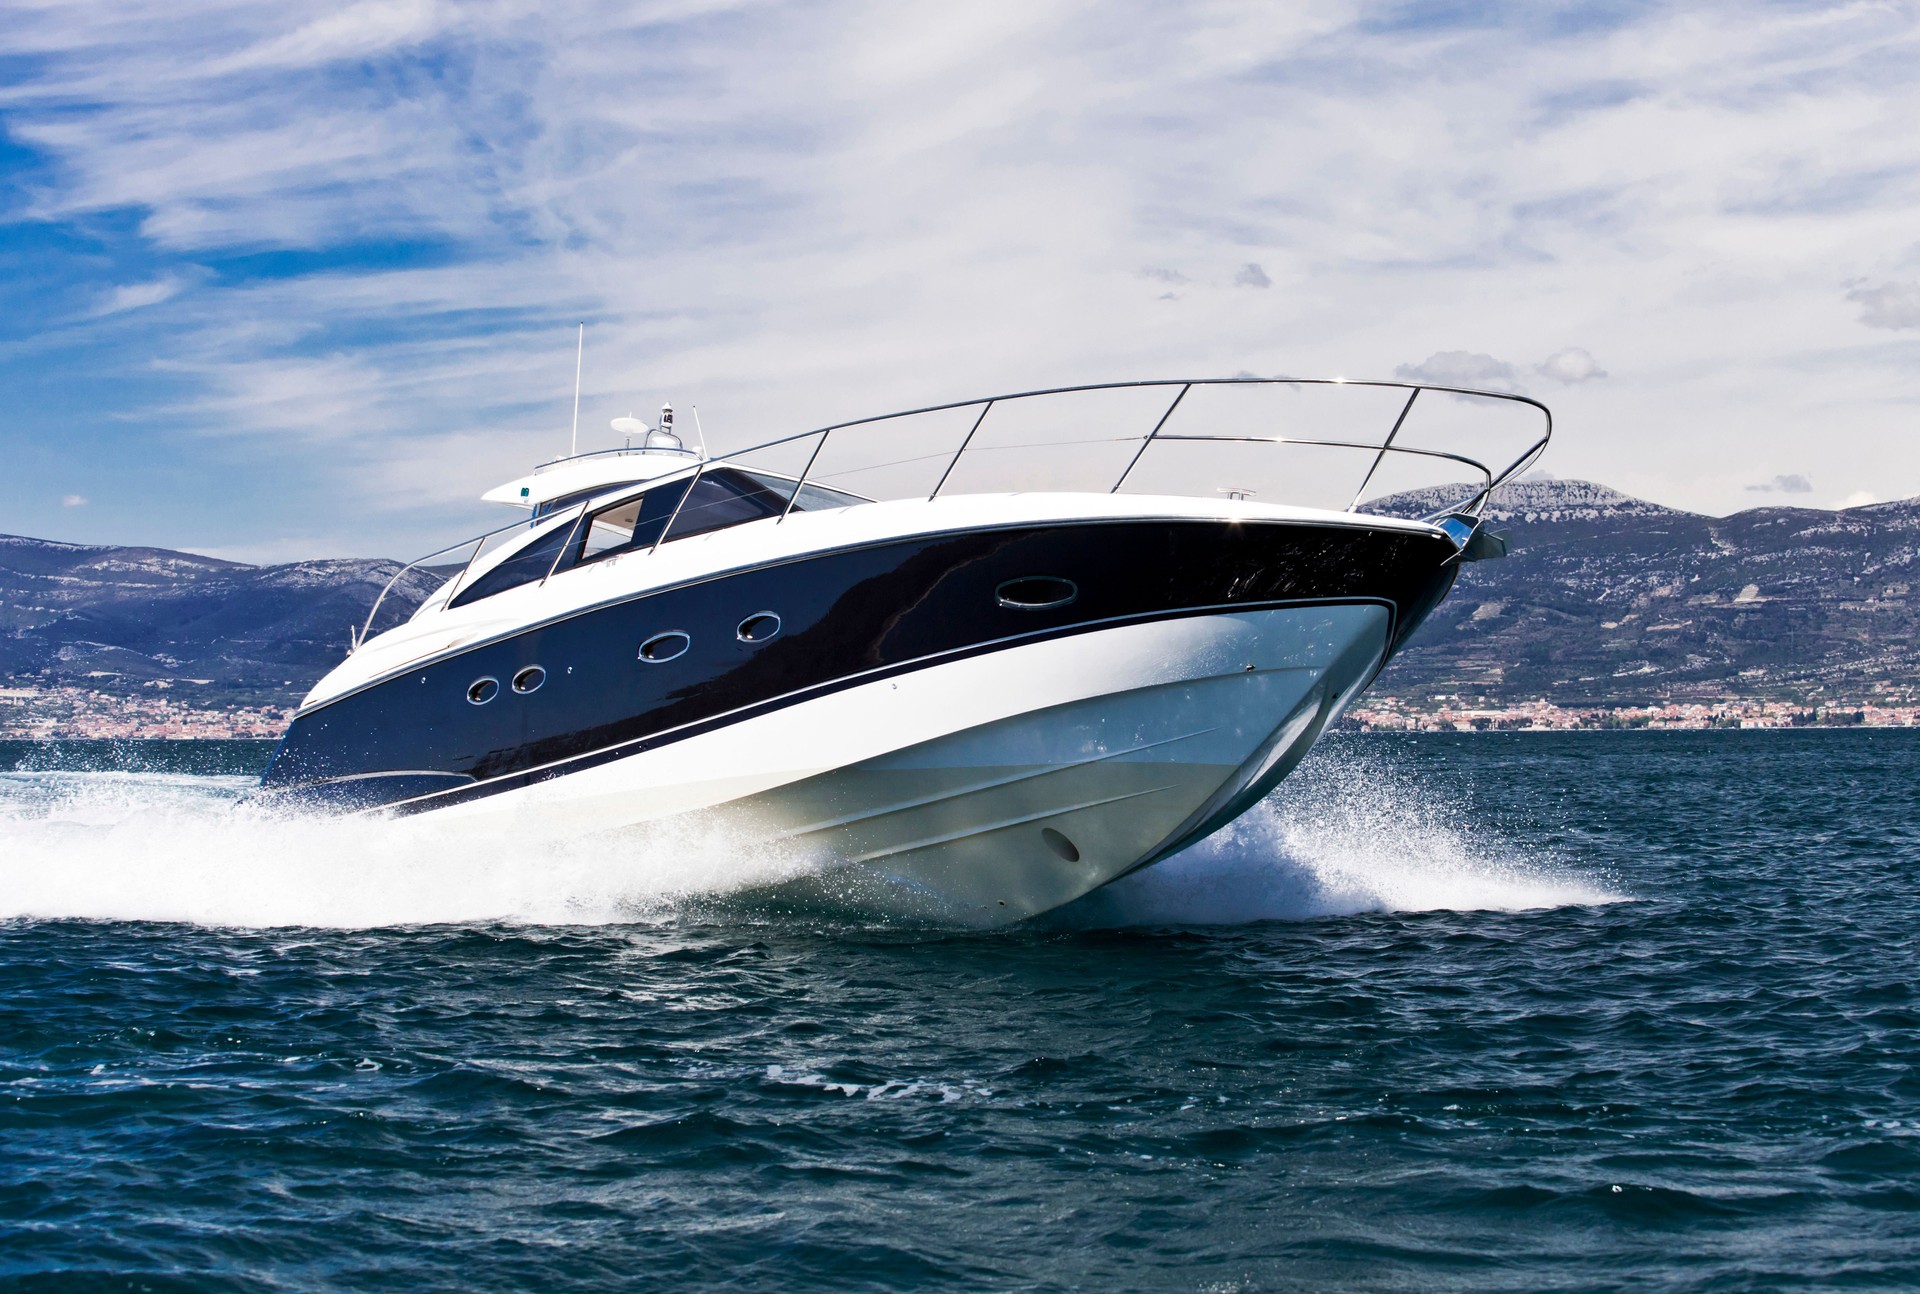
[[82, 714], [1481, 714]]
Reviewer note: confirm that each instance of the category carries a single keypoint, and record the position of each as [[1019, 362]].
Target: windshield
[[717, 499], [565, 501]]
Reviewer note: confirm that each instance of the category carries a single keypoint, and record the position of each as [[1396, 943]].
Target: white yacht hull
[[994, 787], [966, 701]]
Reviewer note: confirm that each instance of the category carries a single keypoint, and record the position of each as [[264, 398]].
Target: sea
[[1478, 1011]]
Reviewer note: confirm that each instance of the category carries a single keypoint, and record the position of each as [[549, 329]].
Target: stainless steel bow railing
[[1471, 506], [1492, 478]]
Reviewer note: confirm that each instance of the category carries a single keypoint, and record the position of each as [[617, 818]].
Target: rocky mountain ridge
[[1534, 500], [122, 619], [1606, 599]]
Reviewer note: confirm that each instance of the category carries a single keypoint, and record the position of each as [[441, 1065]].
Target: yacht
[[962, 664]]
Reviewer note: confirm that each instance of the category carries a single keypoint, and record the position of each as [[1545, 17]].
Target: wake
[[1348, 833], [159, 847]]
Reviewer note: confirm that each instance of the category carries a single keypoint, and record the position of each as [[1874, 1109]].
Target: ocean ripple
[[1582, 1011]]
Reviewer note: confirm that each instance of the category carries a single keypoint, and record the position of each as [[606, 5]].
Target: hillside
[[121, 619], [1606, 600]]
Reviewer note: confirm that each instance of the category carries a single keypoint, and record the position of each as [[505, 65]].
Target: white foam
[[146, 847], [1349, 832]]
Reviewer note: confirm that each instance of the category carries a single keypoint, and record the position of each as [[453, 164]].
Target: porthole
[[758, 627], [1036, 592], [662, 648], [529, 679], [483, 690], [1059, 844]]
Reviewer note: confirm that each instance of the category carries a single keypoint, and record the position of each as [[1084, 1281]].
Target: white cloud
[[73, 500], [135, 296], [1858, 499], [1570, 366], [1891, 305], [358, 31], [1792, 483], [1472, 369], [796, 216]]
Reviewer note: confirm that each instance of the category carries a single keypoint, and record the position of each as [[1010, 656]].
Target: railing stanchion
[[1385, 445], [1149, 440], [955, 460], [801, 484], [466, 567], [561, 556], [678, 504]]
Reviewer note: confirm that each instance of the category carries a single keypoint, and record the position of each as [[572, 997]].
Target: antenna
[[579, 354], [698, 432]]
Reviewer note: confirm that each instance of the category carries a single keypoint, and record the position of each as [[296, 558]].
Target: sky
[[284, 281]]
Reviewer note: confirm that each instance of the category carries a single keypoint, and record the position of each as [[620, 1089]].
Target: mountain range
[[1604, 600], [118, 619], [1610, 600]]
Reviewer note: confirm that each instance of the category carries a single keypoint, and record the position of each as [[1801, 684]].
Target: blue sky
[[283, 281]]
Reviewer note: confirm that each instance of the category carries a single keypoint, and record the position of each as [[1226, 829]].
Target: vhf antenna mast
[[579, 354]]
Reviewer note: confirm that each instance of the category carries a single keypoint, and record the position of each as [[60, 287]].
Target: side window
[[725, 497], [720, 498], [611, 529], [623, 527], [812, 497]]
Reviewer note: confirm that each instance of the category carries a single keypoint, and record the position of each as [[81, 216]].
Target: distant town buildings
[[69, 713], [77, 713], [1455, 714]]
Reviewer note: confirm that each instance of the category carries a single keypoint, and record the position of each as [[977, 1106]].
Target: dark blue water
[[1583, 1011]]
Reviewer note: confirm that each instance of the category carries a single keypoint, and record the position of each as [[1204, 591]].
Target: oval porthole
[[483, 690], [529, 679], [1036, 592], [661, 648], [1059, 844], [758, 627]]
